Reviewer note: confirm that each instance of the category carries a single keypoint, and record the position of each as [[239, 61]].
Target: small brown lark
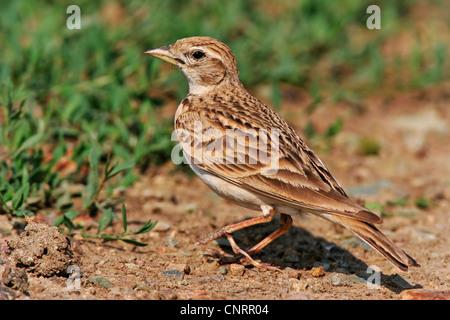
[[249, 155]]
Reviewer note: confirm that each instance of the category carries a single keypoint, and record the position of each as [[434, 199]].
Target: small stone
[[424, 295], [297, 285], [318, 272], [184, 283], [161, 226], [99, 280], [223, 270], [237, 269], [173, 274], [326, 266], [336, 280]]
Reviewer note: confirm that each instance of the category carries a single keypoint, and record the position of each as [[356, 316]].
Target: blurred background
[[84, 113]]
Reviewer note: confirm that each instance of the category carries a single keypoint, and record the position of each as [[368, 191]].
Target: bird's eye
[[198, 55]]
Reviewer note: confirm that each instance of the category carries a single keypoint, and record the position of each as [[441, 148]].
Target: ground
[[408, 180]]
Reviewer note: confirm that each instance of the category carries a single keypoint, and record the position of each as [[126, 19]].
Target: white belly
[[229, 191]]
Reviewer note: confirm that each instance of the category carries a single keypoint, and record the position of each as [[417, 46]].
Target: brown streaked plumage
[[222, 129]]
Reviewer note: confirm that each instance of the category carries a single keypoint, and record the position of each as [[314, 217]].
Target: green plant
[[368, 146], [376, 206], [95, 182], [423, 203], [103, 222]]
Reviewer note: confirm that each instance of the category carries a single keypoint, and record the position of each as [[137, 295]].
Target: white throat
[[198, 89]]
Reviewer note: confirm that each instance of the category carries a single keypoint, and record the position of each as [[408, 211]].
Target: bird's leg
[[268, 213], [267, 216], [285, 225]]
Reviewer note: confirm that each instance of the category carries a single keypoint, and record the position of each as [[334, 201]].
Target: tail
[[376, 239]]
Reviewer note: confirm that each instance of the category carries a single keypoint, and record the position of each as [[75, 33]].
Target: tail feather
[[377, 240]]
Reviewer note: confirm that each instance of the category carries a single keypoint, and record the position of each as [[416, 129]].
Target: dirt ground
[[318, 260]]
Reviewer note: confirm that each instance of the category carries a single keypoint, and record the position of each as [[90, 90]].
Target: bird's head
[[206, 62]]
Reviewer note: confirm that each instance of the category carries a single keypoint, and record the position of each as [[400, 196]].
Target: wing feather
[[299, 179]]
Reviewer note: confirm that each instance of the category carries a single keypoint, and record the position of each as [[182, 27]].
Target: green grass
[[78, 105]]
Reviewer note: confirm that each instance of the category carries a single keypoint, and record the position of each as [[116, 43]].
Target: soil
[[409, 179]]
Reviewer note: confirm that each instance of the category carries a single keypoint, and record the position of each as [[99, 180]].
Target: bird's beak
[[163, 53]]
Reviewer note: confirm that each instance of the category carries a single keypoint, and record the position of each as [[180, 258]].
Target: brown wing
[[287, 171]]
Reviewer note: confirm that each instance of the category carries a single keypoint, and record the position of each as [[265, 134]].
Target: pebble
[[424, 295], [223, 270], [326, 266], [173, 274], [297, 285], [336, 280], [99, 280], [236, 269], [161, 226], [318, 272], [184, 283]]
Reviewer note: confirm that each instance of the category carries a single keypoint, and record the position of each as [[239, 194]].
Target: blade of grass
[[146, 227], [124, 218], [104, 220]]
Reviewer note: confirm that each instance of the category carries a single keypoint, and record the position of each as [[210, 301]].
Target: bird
[[248, 154]]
